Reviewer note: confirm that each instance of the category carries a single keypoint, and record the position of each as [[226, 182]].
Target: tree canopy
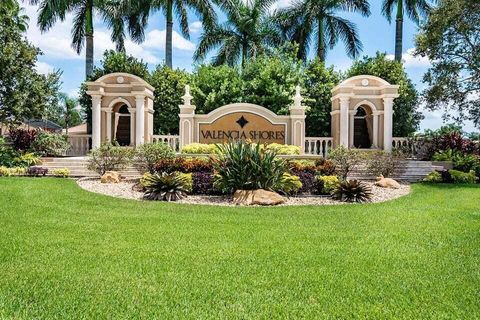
[[24, 92], [451, 40]]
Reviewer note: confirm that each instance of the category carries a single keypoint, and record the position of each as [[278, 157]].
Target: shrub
[[199, 148], [144, 180], [188, 181], [50, 144], [325, 167], [283, 149], [327, 183], [22, 139], [61, 173], [109, 157], [7, 154], [27, 160], [385, 163], [307, 178], [434, 177], [37, 171], [166, 186], [345, 160], [462, 177], [444, 155], [147, 155], [289, 184], [185, 165], [352, 191], [15, 171], [202, 183], [245, 166]]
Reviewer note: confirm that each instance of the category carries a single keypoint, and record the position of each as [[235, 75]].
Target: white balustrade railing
[[172, 140], [79, 144], [318, 145]]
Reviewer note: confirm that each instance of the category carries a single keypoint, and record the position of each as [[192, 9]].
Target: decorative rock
[[387, 183], [257, 197], [110, 177]]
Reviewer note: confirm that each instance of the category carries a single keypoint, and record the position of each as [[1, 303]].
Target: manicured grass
[[69, 254]]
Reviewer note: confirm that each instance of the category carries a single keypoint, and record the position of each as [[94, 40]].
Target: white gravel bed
[[126, 190]]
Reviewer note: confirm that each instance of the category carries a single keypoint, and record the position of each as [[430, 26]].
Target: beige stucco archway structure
[[121, 103], [375, 97]]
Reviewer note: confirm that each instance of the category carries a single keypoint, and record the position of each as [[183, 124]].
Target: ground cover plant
[[72, 254]]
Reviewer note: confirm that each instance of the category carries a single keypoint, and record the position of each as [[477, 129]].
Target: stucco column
[[140, 121], [351, 127], [344, 106], [375, 129], [187, 119], [387, 123], [108, 120], [297, 121], [96, 120], [132, 125]]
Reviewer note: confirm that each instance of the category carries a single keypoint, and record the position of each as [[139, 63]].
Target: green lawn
[[69, 254]]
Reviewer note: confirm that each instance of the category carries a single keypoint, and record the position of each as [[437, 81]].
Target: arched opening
[[122, 132], [361, 135]]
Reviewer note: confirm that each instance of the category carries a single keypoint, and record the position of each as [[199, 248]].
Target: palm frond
[[387, 9], [78, 29]]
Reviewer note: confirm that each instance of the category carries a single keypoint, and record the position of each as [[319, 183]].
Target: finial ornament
[[187, 98], [297, 100]]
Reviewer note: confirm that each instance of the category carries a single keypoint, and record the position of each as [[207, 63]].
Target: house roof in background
[[43, 124]]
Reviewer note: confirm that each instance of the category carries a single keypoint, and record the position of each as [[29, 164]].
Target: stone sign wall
[[243, 121]]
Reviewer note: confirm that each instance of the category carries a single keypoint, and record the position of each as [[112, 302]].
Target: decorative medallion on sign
[[242, 122]]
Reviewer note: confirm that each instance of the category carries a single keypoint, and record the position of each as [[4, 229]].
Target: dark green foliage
[[270, 80], [213, 87], [169, 87], [319, 82], [24, 93], [449, 39], [109, 157], [352, 191], [148, 154], [49, 144], [37, 171], [165, 186], [247, 166], [7, 154], [463, 177], [406, 117]]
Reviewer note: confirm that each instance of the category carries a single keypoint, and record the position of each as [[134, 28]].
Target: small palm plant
[[352, 191], [165, 186]]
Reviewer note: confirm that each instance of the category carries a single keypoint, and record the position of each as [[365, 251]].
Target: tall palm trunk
[[244, 54], [399, 32], [89, 39], [169, 35], [321, 41]]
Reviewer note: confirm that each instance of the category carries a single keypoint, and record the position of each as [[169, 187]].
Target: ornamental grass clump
[[167, 186], [352, 191], [245, 166]]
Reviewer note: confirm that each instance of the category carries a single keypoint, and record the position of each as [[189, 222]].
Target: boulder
[[110, 177], [387, 183], [257, 197]]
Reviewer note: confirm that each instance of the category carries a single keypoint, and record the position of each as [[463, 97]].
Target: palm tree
[[415, 9], [203, 8], [247, 32], [317, 21], [82, 30]]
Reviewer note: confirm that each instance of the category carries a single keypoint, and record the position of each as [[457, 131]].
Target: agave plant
[[352, 191], [247, 166], [165, 186]]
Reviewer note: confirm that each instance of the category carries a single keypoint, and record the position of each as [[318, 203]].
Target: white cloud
[[195, 27], [156, 39], [411, 61], [44, 67], [56, 43], [281, 4]]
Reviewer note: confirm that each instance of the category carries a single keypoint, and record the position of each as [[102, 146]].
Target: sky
[[375, 33]]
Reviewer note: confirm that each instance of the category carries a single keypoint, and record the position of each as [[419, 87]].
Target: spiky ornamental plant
[[352, 191], [166, 186]]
